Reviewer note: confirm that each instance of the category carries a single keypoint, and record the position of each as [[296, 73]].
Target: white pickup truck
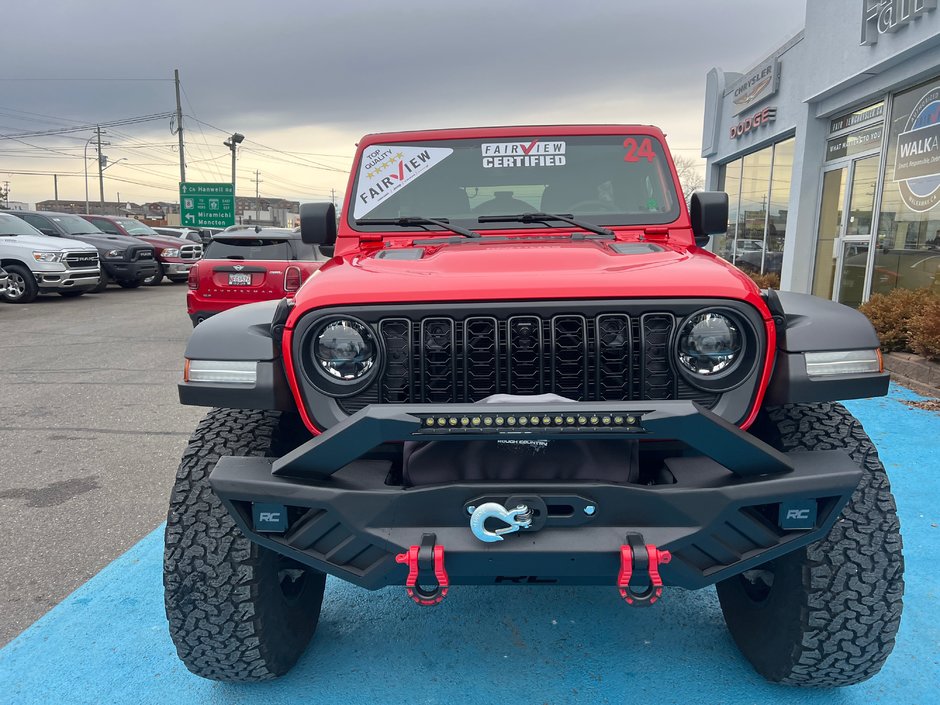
[[38, 264]]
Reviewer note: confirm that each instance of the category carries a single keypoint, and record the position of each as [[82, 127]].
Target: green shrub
[[925, 330], [892, 315]]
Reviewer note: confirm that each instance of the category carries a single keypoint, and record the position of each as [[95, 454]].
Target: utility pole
[[333, 196], [232, 143], [101, 161], [179, 124], [257, 181], [55, 185]]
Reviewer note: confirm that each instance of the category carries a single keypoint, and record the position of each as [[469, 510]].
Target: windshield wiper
[[545, 217], [417, 220]]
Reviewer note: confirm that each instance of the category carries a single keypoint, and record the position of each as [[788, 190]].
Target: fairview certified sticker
[[513, 154], [385, 170]]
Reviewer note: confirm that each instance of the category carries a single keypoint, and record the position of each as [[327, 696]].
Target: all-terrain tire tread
[[212, 578], [853, 579]]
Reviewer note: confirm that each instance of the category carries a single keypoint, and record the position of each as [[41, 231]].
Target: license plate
[[239, 279]]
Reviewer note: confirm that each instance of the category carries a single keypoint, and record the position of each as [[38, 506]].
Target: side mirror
[[318, 223], [709, 213]]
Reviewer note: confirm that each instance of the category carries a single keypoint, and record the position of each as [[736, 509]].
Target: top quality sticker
[[514, 154], [385, 170]]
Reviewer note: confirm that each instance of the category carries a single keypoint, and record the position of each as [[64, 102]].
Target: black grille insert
[[607, 356]]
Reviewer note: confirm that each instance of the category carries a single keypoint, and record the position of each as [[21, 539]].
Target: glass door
[[831, 206], [856, 235]]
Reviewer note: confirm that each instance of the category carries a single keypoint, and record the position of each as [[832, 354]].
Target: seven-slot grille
[[81, 260], [191, 251], [606, 357]]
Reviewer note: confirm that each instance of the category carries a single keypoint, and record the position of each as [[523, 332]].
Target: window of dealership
[[832, 168]]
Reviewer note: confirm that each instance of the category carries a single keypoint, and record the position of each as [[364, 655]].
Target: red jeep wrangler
[[245, 266], [521, 367], [175, 255]]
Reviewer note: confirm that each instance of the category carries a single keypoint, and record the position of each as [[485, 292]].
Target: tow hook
[[640, 563], [427, 580], [518, 518]]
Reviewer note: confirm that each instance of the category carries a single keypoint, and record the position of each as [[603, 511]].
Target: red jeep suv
[[254, 264]]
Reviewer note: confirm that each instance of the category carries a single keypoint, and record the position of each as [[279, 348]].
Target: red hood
[[529, 269]]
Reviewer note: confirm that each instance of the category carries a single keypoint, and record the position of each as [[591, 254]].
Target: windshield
[[74, 225], [603, 179], [11, 225], [248, 249], [135, 227]]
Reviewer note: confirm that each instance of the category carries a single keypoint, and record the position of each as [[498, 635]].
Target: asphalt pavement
[[91, 432]]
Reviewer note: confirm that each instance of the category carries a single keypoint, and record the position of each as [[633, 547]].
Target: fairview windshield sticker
[[534, 153], [385, 170]]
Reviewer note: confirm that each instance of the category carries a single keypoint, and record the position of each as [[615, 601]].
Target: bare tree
[[690, 171]]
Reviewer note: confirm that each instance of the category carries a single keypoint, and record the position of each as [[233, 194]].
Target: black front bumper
[[718, 518], [129, 271]]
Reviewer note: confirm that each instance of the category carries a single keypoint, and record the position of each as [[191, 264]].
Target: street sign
[[207, 205]]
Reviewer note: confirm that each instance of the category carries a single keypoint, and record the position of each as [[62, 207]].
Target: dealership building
[[829, 149]]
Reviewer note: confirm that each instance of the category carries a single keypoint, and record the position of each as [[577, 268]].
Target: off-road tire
[[228, 615], [156, 278], [25, 282], [833, 609]]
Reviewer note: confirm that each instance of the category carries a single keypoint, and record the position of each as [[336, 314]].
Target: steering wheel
[[604, 206]]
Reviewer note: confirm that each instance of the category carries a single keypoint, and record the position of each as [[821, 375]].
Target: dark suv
[[175, 257], [126, 262]]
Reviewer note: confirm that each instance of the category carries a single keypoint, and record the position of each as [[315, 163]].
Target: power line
[[112, 123]]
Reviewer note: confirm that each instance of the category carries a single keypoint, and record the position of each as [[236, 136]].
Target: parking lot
[[91, 435], [92, 432]]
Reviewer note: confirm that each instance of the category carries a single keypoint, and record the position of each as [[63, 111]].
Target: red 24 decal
[[634, 155]]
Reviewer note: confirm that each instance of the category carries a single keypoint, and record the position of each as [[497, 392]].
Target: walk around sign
[[207, 205]]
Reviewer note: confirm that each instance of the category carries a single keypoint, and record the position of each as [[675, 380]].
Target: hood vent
[[635, 248]]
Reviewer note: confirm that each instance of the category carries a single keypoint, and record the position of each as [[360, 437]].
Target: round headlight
[[345, 350], [709, 343]]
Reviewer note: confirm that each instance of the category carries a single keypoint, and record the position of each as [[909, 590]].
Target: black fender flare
[[807, 323], [246, 333]]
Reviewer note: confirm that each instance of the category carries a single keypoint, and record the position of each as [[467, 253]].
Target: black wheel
[[827, 614], [103, 282], [130, 283], [73, 294], [155, 278], [237, 612], [22, 287]]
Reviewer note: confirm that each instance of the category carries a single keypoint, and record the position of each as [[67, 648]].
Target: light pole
[[87, 142], [232, 143]]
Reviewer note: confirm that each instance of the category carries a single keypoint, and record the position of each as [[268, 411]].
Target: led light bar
[[528, 422], [221, 371], [845, 362]]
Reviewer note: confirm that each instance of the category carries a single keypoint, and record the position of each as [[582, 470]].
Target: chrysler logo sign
[[754, 87]]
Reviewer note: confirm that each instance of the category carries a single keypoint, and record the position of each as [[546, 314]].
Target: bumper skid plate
[[718, 518]]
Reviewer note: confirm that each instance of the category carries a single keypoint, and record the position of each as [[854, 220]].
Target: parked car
[[190, 234], [127, 263], [475, 391], [38, 264], [245, 266], [174, 258]]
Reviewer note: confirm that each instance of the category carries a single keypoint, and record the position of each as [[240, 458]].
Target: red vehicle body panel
[[214, 294], [530, 269]]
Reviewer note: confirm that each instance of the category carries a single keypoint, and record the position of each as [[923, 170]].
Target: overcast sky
[[309, 78]]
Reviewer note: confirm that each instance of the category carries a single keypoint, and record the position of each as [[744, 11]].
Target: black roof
[[250, 232]]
